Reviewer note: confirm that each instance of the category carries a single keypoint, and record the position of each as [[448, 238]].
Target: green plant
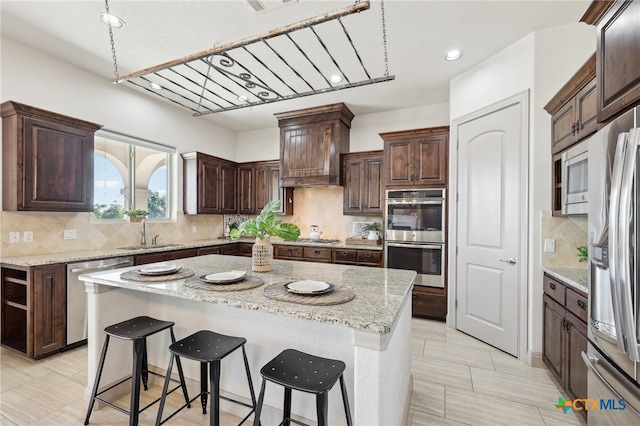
[[371, 227], [135, 212], [266, 225], [583, 254]]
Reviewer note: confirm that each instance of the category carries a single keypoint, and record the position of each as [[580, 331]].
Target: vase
[[262, 256], [136, 218]]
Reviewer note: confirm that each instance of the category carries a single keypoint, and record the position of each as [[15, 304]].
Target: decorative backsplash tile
[[569, 234], [234, 218]]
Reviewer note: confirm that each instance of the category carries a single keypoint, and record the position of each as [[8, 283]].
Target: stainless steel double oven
[[415, 233]]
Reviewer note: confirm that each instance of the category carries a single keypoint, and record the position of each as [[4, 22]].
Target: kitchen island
[[371, 333]]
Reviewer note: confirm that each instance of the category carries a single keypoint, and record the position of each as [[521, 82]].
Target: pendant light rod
[[355, 8]]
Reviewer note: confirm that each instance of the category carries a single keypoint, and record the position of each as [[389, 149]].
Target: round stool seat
[[206, 346], [137, 328], [303, 372]]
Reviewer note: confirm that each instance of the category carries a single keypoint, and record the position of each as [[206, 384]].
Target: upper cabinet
[[362, 181], [416, 158], [574, 108], [47, 160], [259, 183], [210, 184], [311, 141]]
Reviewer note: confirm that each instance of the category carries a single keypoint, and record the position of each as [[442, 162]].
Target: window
[[130, 173]]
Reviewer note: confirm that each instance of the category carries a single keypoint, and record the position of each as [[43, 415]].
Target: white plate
[[309, 287], [159, 269], [224, 277]]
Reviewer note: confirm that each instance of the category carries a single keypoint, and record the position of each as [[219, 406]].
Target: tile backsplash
[[312, 206], [569, 233]]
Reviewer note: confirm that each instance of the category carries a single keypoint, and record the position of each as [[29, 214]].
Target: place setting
[[224, 281], [158, 272], [309, 292]]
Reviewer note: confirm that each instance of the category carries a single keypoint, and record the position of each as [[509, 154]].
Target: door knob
[[510, 261]]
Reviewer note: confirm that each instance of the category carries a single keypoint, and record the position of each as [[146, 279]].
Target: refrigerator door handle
[[625, 282], [590, 360], [614, 258]]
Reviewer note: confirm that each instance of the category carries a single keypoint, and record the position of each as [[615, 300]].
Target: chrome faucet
[[143, 231]]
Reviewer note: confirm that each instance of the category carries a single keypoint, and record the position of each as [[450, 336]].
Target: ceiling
[[419, 33]]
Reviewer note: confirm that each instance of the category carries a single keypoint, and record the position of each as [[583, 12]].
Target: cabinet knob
[[316, 251], [581, 304], [414, 296], [552, 286], [344, 253], [578, 126], [367, 255]]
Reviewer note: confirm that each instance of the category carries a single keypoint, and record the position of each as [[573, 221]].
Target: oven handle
[[438, 201], [421, 246]]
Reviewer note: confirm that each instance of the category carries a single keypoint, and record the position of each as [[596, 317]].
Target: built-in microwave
[[575, 178]]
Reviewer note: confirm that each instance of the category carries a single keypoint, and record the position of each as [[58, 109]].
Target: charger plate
[[247, 283], [136, 276], [339, 295]]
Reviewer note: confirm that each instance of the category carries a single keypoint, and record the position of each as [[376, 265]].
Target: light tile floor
[[458, 380]]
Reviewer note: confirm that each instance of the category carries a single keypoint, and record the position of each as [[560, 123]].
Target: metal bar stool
[[307, 373], [209, 349], [135, 329]]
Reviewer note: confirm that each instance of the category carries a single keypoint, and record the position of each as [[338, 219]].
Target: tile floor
[[458, 380]]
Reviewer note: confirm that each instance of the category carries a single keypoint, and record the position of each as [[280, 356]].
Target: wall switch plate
[[194, 229], [14, 237], [549, 245], [70, 234], [27, 236]]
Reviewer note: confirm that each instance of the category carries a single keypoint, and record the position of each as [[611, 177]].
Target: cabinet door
[[576, 368], [203, 251], [228, 188], [562, 127], [247, 189], [587, 110], [306, 152], [49, 309], [58, 168], [553, 350], [208, 188], [618, 59], [429, 303], [372, 191], [431, 160], [398, 160], [353, 184], [277, 192], [262, 187]]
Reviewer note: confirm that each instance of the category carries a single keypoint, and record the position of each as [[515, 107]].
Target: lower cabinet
[[358, 257], [565, 336], [163, 256], [33, 309], [429, 302]]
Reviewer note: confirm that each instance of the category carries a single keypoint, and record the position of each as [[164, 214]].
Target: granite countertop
[[85, 255], [578, 278], [380, 293]]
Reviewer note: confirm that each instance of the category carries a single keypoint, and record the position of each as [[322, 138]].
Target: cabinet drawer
[[209, 250], [287, 252], [577, 304], [245, 249], [428, 305], [366, 256], [317, 254], [346, 256], [230, 249], [554, 289]]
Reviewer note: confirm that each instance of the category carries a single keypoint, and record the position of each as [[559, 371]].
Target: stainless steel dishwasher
[[77, 297]]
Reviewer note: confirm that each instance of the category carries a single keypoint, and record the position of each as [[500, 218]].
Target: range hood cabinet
[[311, 141]]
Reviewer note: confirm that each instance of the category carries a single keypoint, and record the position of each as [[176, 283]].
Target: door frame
[[521, 99]]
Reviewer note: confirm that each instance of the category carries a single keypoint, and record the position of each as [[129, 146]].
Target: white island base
[[378, 364]]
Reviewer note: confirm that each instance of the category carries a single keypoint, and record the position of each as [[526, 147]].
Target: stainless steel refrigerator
[[613, 352]]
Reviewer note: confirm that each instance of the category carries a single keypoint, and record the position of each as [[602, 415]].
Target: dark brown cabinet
[[362, 182], [429, 302], [210, 184], [262, 187], [311, 141], [246, 190], [33, 309], [416, 158], [574, 108], [618, 55], [47, 160], [164, 256], [565, 336], [358, 257]]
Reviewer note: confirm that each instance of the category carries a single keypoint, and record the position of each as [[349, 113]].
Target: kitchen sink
[[150, 246]]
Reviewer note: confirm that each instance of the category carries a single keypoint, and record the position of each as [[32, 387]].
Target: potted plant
[[265, 225], [136, 215], [373, 230]]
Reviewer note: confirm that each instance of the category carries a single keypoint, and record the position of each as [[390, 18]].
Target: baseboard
[[534, 359]]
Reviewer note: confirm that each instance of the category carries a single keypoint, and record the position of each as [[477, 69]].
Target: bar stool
[[307, 373], [209, 349], [135, 329]]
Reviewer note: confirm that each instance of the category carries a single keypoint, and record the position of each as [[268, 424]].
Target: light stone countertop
[[380, 293], [86, 255], [577, 278]]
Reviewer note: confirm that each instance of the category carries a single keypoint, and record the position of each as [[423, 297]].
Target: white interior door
[[489, 229]]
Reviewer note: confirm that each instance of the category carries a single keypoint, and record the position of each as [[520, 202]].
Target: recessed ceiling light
[[335, 78], [155, 86], [243, 99], [112, 20], [452, 55]]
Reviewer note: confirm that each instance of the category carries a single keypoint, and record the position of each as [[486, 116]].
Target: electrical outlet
[[14, 237], [194, 229], [27, 236], [70, 234], [549, 245]]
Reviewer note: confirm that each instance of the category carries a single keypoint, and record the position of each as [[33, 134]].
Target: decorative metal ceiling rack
[[270, 67]]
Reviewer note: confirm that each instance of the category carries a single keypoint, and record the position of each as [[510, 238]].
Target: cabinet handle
[[316, 252], [344, 253], [581, 304], [367, 255], [578, 126], [552, 286], [565, 325], [414, 296], [573, 129]]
